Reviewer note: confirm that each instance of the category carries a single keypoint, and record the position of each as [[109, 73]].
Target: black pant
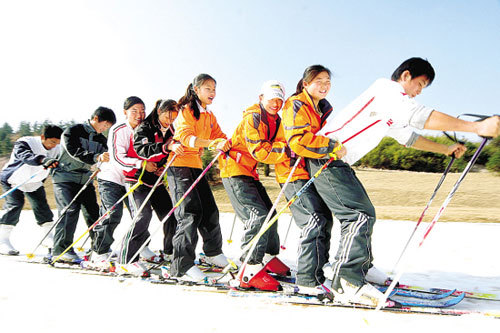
[[252, 205], [315, 221], [138, 234], [347, 199], [87, 200], [197, 212], [14, 203]]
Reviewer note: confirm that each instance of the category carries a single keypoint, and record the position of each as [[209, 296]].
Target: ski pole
[[230, 240], [136, 214], [436, 218], [253, 242], [425, 210], [19, 185], [104, 216], [175, 206], [31, 255], [283, 247]]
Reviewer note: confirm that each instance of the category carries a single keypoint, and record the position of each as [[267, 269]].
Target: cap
[[273, 89]]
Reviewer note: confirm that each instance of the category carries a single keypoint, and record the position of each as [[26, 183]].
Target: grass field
[[402, 195]]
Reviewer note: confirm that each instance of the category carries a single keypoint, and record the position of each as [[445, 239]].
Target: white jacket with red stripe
[[382, 110], [119, 142]]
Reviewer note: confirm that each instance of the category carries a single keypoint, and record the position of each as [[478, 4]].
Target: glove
[[49, 162], [333, 153]]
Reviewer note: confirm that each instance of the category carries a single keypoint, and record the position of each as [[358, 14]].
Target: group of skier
[[309, 140]]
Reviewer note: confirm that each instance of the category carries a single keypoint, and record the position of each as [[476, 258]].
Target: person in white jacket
[[30, 160], [386, 108], [111, 180]]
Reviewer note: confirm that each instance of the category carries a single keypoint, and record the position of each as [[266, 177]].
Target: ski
[[418, 294], [397, 291], [454, 292], [426, 307]]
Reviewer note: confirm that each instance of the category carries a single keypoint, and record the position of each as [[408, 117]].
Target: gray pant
[[315, 221], [110, 193], [65, 229], [14, 203], [347, 199], [252, 204], [197, 212]]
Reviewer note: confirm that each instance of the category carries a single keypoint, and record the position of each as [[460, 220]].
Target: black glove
[[49, 162]]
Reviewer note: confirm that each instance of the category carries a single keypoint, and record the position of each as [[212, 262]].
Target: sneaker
[[46, 231], [100, 262], [134, 269], [5, 245], [150, 256], [194, 274], [348, 293], [219, 260], [69, 257], [276, 266], [256, 276], [376, 276]]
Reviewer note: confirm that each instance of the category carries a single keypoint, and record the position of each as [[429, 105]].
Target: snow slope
[[37, 298]]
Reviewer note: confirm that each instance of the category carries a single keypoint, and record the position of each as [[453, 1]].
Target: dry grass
[[401, 195]]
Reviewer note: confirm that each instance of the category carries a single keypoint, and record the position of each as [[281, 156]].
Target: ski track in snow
[[38, 298]]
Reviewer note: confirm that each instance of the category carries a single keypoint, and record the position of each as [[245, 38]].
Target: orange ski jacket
[[188, 127]]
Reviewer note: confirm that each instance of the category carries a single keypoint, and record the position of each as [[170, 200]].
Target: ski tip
[[30, 255], [229, 241]]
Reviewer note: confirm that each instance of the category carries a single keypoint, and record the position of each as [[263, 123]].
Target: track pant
[[14, 203], [110, 193], [138, 234], [65, 229], [252, 204], [315, 222], [197, 212], [346, 197]]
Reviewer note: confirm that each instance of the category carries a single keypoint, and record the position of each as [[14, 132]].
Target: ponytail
[[190, 98], [162, 106], [309, 74]]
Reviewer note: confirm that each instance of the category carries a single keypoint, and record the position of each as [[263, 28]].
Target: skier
[[82, 146], [152, 141], [29, 157], [386, 108], [111, 181], [196, 128], [258, 138]]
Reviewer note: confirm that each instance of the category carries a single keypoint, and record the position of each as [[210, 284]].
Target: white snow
[[37, 298]]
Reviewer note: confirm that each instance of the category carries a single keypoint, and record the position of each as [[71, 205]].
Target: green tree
[[24, 129], [6, 139]]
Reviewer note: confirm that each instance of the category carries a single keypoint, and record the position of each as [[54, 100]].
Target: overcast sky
[[60, 60]]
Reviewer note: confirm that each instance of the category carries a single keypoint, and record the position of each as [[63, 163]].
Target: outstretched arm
[[428, 145], [489, 127]]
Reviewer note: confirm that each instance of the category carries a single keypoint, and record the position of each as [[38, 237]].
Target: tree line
[[389, 154]]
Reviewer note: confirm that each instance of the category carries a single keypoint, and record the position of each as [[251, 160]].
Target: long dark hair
[[190, 96], [309, 74]]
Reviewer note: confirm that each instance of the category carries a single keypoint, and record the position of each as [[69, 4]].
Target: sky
[[60, 60]]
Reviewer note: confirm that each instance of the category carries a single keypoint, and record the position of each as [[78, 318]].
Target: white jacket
[[382, 110], [25, 161], [119, 142]]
